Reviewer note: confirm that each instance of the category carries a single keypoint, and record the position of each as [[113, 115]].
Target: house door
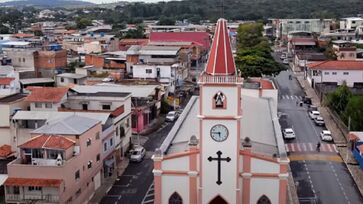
[[218, 200]]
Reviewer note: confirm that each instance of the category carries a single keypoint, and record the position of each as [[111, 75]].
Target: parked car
[[137, 154], [283, 56], [314, 114], [307, 100], [326, 136], [172, 116], [107, 79], [319, 121], [285, 61], [288, 133]]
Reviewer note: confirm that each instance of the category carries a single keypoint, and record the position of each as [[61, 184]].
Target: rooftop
[[48, 142], [12, 98], [33, 182], [135, 90], [337, 65], [201, 38], [72, 125], [159, 50], [47, 94], [36, 81], [6, 80], [72, 75]]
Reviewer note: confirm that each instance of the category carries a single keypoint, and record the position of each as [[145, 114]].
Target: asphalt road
[[317, 180], [131, 187]]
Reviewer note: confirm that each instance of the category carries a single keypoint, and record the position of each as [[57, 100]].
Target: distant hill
[[45, 3]]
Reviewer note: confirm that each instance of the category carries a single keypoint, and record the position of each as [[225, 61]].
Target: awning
[[33, 182]]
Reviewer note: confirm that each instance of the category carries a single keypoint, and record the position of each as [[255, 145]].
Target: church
[[226, 146]]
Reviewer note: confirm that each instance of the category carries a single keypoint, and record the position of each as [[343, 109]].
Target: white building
[[351, 23], [336, 72], [67, 79]]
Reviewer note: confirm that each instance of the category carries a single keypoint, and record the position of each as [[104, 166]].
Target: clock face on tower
[[219, 133]]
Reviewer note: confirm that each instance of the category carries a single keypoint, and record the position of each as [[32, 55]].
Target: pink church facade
[[226, 146]]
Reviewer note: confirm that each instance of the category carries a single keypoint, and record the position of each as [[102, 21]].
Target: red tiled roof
[[48, 142], [5, 151], [46, 94], [22, 35], [201, 38], [6, 80], [337, 65], [33, 182], [221, 60], [265, 84], [118, 111]]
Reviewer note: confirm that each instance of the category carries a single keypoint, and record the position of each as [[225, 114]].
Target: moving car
[[137, 154], [307, 100], [314, 114], [107, 79], [319, 121], [326, 136], [288, 133], [171, 116]]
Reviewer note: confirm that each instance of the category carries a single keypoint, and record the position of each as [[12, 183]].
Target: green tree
[[38, 33], [354, 110], [166, 21], [136, 33], [339, 99], [4, 29], [254, 53], [82, 23]]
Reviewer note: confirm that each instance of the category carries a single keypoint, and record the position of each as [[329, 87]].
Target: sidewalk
[[108, 182], [339, 137]]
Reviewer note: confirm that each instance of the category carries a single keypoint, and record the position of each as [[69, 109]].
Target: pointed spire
[[221, 60]]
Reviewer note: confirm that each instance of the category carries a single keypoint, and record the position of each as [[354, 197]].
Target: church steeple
[[221, 60]]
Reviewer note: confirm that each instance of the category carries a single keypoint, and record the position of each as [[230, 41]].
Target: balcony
[[205, 79], [32, 198]]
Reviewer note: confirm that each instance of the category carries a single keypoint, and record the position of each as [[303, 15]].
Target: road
[[131, 187], [320, 177]]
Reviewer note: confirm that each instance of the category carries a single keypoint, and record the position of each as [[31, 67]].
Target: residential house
[[302, 59], [49, 61], [351, 23], [110, 62], [68, 79], [21, 55], [344, 50], [46, 98], [336, 72], [43, 82], [9, 86], [72, 145]]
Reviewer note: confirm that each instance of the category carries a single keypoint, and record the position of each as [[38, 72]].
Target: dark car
[[307, 100]]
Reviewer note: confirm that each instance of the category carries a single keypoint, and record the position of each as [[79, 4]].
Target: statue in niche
[[219, 100]]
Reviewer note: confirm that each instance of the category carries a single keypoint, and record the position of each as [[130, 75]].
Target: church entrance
[[218, 200]]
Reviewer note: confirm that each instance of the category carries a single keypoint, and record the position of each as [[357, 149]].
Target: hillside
[[45, 3]]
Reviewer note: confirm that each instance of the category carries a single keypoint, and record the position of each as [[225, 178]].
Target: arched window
[[263, 200], [218, 200], [219, 101], [175, 199]]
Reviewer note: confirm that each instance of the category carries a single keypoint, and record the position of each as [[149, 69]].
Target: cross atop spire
[[221, 60]]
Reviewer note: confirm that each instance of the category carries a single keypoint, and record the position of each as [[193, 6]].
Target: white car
[[285, 61], [107, 79], [326, 136], [314, 114], [288, 133], [319, 121], [171, 116], [137, 154]]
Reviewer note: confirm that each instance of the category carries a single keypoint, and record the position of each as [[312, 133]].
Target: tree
[[166, 21], [339, 99], [4, 29], [254, 53], [135, 33], [38, 33], [82, 23], [354, 111]]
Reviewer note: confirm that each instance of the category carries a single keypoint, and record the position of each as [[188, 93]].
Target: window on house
[[89, 164], [97, 135], [105, 146], [106, 107], [19, 59], [62, 79], [98, 157], [122, 131], [77, 175], [34, 188], [345, 73], [16, 190], [53, 154], [175, 198], [78, 192], [326, 73], [37, 153], [23, 59], [263, 200], [84, 106], [111, 142], [133, 121], [48, 105], [148, 71], [334, 73], [127, 123], [116, 131], [89, 141], [38, 105]]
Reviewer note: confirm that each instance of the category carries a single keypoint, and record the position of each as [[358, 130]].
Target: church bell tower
[[220, 123]]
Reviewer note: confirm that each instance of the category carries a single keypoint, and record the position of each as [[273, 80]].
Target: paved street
[[131, 187], [320, 177]]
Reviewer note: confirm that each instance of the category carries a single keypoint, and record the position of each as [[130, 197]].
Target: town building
[[49, 61], [69, 79], [336, 73], [72, 145], [46, 98], [351, 23], [226, 147]]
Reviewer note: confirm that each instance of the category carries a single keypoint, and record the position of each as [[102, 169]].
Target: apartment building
[[71, 145]]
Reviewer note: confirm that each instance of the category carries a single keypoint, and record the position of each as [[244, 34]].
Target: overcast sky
[[107, 1]]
